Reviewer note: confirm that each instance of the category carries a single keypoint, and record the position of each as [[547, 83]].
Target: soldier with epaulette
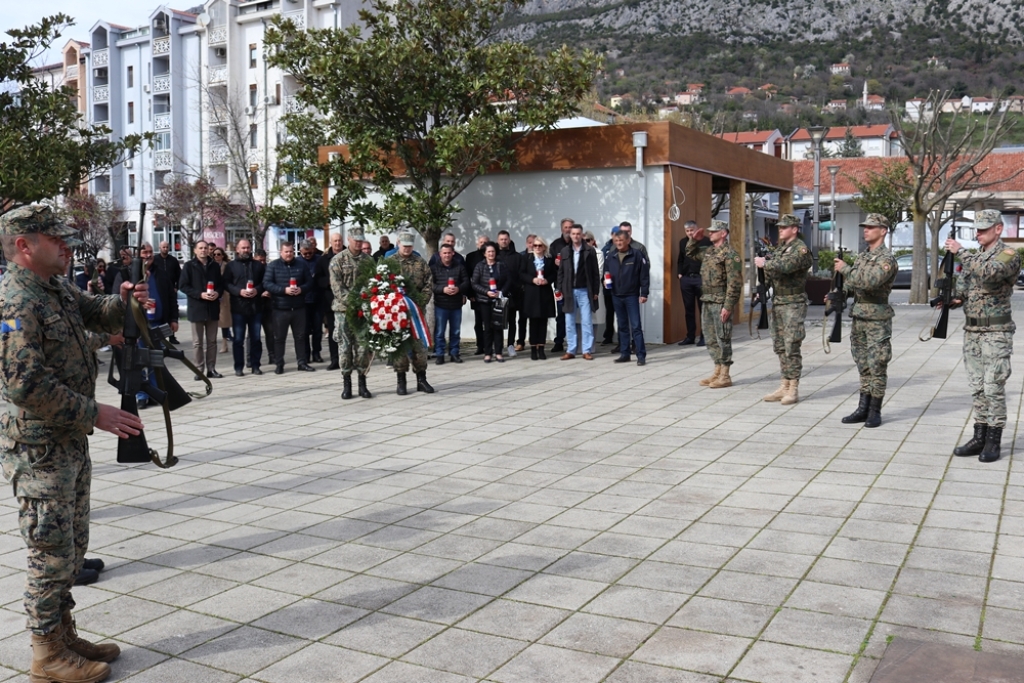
[[721, 272], [983, 289], [870, 280], [787, 272], [342, 270], [48, 370], [417, 276]]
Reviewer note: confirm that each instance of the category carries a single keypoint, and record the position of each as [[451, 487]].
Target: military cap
[[406, 239], [875, 220], [718, 225], [983, 220], [788, 220], [38, 219], [356, 233]]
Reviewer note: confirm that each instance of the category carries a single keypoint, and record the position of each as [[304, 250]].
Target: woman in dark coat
[[537, 274], [490, 280]]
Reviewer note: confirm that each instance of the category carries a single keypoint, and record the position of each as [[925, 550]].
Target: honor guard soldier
[[417, 276], [342, 269], [721, 273]]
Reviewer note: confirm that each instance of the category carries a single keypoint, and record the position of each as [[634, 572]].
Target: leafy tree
[[193, 205], [45, 152], [850, 148], [885, 192], [427, 98]]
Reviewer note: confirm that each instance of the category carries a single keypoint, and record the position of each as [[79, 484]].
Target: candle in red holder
[[558, 295], [558, 260], [451, 282], [249, 285], [607, 280], [493, 284], [209, 287], [540, 273], [293, 283]]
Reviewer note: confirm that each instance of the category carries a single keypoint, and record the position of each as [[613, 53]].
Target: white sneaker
[[511, 351]]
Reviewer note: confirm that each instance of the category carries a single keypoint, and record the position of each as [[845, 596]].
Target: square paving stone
[[437, 604], [244, 604], [384, 634], [765, 590], [120, 614], [310, 619], [943, 615], [557, 591], [602, 635], [401, 672], [774, 663], [833, 599], [667, 577], [483, 578], [817, 630], [244, 650], [593, 567], [691, 650], [465, 652], [635, 672], [723, 616], [367, 592], [181, 671], [514, 619], [321, 663], [177, 632], [546, 664], [640, 604]]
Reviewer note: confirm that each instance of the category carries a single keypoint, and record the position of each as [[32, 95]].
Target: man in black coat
[[688, 273], [579, 282], [322, 276], [472, 259], [202, 284], [451, 285], [508, 255], [243, 278], [557, 245], [287, 280]]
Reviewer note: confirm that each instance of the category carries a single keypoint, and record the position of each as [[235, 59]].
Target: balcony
[[100, 58], [218, 74], [219, 154], [162, 46], [163, 160], [299, 18], [101, 93], [162, 83], [218, 35], [71, 72], [292, 105], [162, 121]]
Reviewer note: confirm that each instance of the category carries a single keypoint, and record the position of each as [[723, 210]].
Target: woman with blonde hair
[[537, 273]]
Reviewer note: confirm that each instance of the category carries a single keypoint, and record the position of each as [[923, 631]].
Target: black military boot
[[993, 435], [363, 391], [422, 384], [401, 391], [861, 413], [976, 444], [874, 418], [346, 387]]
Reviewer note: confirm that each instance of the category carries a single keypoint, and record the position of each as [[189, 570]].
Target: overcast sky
[[21, 13]]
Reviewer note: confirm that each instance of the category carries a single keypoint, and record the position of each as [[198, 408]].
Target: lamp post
[[817, 134], [833, 170]]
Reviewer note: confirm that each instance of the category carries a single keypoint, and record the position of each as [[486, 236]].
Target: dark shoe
[[257, 371], [279, 370], [239, 373], [993, 435], [617, 349], [606, 342], [499, 359], [363, 391], [533, 353], [456, 359], [487, 359], [317, 358], [558, 348], [303, 367], [478, 352], [686, 342], [874, 418], [622, 359], [439, 360], [641, 361], [94, 563], [977, 443], [346, 387], [423, 385], [541, 354], [174, 340], [213, 374], [87, 576], [700, 342], [401, 391], [199, 378], [588, 356], [334, 366], [861, 413], [568, 356]]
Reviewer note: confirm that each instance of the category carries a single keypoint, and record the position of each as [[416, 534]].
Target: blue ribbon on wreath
[[416, 321]]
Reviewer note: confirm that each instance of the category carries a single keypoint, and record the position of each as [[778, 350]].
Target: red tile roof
[[738, 91], [748, 137], [839, 132]]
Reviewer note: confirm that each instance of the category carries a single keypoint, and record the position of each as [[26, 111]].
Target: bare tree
[[193, 205], [946, 154], [99, 221]]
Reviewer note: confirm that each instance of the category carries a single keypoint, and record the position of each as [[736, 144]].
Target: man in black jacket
[[451, 285], [557, 245], [314, 334], [287, 280], [472, 259], [202, 284], [688, 273], [243, 278], [322, 276], [508, 255], [578, 281]]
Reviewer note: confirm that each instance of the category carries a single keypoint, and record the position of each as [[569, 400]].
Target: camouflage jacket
[[721, 272], [787, 271], [985, 286], [48, 359], [417, 275], [870, 280], [342, 270]]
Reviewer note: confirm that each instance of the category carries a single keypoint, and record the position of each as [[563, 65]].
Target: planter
[[817, 288]]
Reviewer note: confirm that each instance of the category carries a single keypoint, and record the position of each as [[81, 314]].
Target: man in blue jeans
[[628, 274], [578, 281], [451, 285], [243, 278]]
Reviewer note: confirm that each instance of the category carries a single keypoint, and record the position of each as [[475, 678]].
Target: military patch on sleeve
[[1006, 256], [1007, 251], [10, 325]]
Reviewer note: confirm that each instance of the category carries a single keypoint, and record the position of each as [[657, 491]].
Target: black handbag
[[499, 309]]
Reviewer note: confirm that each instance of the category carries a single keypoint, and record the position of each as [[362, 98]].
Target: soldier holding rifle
[[870, 280], [984, 290], [787, 270]]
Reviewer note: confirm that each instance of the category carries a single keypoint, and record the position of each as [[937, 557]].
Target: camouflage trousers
[[717, 335], [351, 354], [871, 343], [51, 483], [987, 361], [419, 359], [788, 334]]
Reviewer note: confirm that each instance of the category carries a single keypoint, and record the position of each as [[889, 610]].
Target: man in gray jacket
[[579, 282]]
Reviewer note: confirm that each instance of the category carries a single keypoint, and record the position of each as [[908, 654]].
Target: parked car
[[905, 268]]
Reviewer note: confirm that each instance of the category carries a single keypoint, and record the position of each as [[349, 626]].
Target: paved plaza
[[562, 522]]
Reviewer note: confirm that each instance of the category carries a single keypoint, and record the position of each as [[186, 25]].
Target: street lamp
[[832, 206], [817, 134]]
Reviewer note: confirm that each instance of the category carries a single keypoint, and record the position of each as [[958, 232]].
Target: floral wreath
[[385, 316]]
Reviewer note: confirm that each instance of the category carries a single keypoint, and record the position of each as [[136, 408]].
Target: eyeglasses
[[539, 246]]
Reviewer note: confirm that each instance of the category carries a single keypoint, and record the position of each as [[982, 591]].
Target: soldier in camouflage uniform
[[342, 269], [417, 276], [870, 280], [983, 289], [48, 369], [721, 272], [787, 272]]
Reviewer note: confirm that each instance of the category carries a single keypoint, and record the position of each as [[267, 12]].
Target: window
[[162, 141], [277, 94], [252, 55], [253, 95], [131, 185], [254, 177], [131, 77], [131, 112], [253, 136]]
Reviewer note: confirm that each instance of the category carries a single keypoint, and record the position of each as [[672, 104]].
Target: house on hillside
[[878, 140], [917, 109], [983, 105], [688, 98], [836, 106], [769, 90], [617, 101], [873, 103], [766, 141], [665, 112], [840, 69], [1013, 103], [738, 92], [954, 105]]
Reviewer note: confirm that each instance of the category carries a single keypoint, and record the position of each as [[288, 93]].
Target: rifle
[[761, 296], [835, 303], [130, 360], [944, 300]]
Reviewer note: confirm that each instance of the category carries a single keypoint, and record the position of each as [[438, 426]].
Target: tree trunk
[[432, 236], [919, 279]]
